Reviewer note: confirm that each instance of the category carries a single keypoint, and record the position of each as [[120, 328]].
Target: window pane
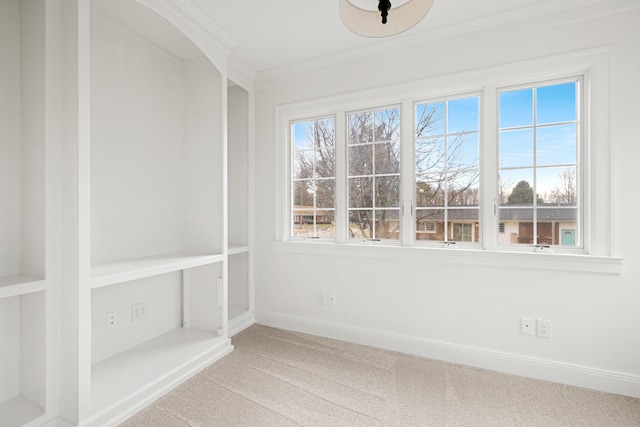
[[463, 115], [303, 164], [374, 173], [387, 191], [430, 224], [540, 173], [325, 193], [387, 224], [430, 119], [463, 189], [360, 192], [387, 125], [430, 190], [556, 145], [463, 151], [302, 193], [464, 225], [361, 160], [518, 225], [516, 148], [516, 108], [387, 158], [557, 226], [312, 181], [447, 164], [556, 103], [360, 128], [325, 161], [361, 224], [430, 155], [303, 135], [558, 186], [516, 187]]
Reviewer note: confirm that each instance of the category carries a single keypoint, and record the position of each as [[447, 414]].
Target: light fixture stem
[[383, 7]]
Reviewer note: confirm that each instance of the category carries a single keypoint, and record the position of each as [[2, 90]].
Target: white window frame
[[373, 143], [291, 216], [581, 161], [598, 254], [447, 208]]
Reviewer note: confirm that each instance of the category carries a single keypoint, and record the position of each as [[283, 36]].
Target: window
[[539, 179], [313, 183], [447, 169], [493, 160], [374, 174]]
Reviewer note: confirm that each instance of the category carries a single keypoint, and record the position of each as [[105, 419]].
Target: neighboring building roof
[[308, 210], [511, 213]]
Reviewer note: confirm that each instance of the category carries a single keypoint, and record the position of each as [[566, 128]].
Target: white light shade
[[368, 23]]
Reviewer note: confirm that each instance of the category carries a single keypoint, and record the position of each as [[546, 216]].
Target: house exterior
[[555, 226]]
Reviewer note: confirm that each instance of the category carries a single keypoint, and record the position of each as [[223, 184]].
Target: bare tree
[[445, 176], [314, 168], [374, 169], [566, 192]]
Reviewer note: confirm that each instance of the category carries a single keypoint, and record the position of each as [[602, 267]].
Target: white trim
[[57, 422], [532, 260], [241, 322], [515, 364]]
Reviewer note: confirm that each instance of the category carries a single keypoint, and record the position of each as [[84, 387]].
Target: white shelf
[[129, 374], [235, 250], [139, 268], [20, 284], [19, 411], [236, 311]]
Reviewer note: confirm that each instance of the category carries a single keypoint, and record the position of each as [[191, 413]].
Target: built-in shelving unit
[[23, 214], [157, 233], [240, 308], [121, 224]]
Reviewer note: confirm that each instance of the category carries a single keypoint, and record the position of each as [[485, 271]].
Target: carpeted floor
[[279, 378]]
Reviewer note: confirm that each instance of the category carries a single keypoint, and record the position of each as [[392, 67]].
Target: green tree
[[522, 194]]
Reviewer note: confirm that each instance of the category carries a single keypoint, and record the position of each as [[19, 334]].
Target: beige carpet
[[279, 378]]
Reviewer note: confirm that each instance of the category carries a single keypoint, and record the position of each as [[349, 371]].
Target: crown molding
[[540, 15], [241, 74], [201, 21]]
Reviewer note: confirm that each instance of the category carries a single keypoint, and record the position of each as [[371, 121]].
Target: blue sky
[[555, 131]]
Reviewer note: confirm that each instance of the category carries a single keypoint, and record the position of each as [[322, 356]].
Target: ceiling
[[274, 34]]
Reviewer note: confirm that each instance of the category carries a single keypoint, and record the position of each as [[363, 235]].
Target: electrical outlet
[[331, 299], [526, 326], [322, 298], [544, 328], [112, 320], [139, 311]]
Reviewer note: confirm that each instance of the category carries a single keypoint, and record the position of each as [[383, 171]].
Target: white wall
[[468, 313], [10, 147], [155, 180]]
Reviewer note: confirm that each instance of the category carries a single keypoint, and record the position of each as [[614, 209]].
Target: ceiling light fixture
[[363, 18]]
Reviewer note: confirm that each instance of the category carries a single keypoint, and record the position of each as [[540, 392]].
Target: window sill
[[529, 260]]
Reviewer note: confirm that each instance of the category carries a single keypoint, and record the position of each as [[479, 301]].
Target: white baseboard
[[240, 323], [58, 422], [549, 370]]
